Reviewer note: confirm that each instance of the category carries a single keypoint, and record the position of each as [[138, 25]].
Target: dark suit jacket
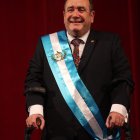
[[103, 68]]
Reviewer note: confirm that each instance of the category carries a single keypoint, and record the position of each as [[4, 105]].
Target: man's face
[[78, 17]]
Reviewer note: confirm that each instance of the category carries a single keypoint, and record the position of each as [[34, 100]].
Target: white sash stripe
[[73, 91]]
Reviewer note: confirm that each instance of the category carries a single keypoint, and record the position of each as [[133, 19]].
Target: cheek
[[89, 20], [65, 20], [66, 16]]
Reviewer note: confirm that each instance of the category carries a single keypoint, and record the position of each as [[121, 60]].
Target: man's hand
[[115, 120], [31, 121]]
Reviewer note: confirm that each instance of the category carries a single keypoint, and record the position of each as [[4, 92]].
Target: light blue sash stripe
[[63, 88], [78, 82]]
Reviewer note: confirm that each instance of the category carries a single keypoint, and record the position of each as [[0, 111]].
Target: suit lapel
[[88, 51]]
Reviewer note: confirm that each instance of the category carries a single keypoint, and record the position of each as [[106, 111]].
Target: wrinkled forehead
[[77, 3]]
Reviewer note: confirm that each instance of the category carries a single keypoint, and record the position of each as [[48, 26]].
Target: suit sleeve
[[34, 83], [122, 84]]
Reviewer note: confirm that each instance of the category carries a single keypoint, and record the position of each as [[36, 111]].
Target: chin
[[75, 26], [75, 30], [76, 33]]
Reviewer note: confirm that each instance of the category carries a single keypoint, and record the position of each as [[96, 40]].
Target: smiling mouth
[[75, 20]]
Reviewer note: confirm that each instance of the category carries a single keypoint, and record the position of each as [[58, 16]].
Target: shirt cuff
[[120, 109], [35, 109]]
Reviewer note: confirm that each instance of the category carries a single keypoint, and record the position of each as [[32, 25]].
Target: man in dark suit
[[103, 68]]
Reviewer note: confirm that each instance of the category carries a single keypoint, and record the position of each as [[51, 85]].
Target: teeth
[[75, 20]]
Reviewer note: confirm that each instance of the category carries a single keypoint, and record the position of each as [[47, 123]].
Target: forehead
[[77, 3]]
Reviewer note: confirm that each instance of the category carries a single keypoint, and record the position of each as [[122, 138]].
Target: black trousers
[[80, 134]]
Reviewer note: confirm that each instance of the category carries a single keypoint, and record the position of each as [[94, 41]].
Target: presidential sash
[[72, 88]]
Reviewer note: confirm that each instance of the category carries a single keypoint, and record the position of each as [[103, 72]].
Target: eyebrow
[[70, 7], [76, 7]]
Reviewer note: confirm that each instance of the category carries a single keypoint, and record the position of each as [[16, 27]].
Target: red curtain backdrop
[[23, 21]]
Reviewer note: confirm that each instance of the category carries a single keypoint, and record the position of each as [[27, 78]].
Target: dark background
[[23, 21]]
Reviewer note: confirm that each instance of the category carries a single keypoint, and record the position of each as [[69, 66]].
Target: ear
[[92, 16]]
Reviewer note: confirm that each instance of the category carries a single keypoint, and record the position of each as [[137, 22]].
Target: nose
[[75, 13]]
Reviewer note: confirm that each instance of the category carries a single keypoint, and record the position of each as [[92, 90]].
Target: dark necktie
[[76, 42]]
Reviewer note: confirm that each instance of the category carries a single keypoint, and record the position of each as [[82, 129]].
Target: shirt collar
[[84, 37]]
